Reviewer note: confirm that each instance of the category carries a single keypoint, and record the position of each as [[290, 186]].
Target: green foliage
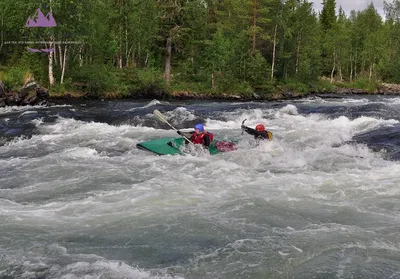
[[139, 82], [196, 87], [36, 64], [365, 84], [66, 87], [14, 77], [390, 71], [120, 46], [151, 77], [258, 70], [296, 86], [229, 84], [321, 86], [96, 80], [328, 16]]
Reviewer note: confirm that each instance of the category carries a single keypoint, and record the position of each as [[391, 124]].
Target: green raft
[[173, 146]]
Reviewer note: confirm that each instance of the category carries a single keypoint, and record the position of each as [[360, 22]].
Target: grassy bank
[[108, 83]]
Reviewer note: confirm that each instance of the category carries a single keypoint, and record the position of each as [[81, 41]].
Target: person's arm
[[188, 135], [250, 131], [207, 141], [255, 133]]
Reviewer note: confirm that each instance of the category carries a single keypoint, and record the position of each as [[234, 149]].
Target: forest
[[118, 48]]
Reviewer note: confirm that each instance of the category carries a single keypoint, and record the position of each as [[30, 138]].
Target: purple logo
[[46, 50], [40, 20]]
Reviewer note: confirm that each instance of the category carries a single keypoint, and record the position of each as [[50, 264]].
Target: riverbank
[[34, 94], [287, 94], [280, 93]]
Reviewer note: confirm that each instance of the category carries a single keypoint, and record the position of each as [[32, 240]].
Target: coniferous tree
[[329, 28], [328, 14]]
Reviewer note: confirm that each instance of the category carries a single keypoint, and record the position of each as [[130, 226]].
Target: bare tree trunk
[[212, 81], [340, 66], [80, 56], [51, 55], [334, 65], [351, 68], [59, 54], [253, 48], [371, 69], [168, 62], [64, 64], [2, 31], [130, 53], [139, 56], [298, 52], [274, 53], [126, 43], [355, 66], [55, 54], [120, 37]]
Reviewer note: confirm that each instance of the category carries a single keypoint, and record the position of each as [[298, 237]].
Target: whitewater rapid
[[79, 200]]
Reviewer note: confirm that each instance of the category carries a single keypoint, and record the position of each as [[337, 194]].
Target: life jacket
[[198, 138], [264, 135]]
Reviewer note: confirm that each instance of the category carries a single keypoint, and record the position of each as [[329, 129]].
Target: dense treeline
[[122, 46]]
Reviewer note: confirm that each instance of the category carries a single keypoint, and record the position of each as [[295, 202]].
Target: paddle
[[161, 117], [242, 125]]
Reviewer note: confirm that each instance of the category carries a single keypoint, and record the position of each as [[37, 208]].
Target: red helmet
[[260, 127]]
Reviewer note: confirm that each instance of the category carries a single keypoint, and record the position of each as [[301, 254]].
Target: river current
[[321, 200]]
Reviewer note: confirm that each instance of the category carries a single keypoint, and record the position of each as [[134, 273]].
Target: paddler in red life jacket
[[199, 136], [259, 132]]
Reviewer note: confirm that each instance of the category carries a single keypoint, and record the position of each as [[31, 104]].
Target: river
[[321, 200]]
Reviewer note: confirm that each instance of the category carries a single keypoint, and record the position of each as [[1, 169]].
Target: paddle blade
[[242, 126], [270, 136], [160, 116]]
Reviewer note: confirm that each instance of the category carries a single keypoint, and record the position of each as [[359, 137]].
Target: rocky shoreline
[[30, 94], [34, 94]]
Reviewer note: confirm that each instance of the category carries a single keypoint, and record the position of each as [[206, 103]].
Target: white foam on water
[[150, 104], [29, 112], [26, 109], [179, 115], [391, 101], [352, 101], [284, 203], [106, 269], [87, 266], [37, 122]]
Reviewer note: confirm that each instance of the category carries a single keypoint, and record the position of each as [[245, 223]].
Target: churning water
[[322, 200]]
